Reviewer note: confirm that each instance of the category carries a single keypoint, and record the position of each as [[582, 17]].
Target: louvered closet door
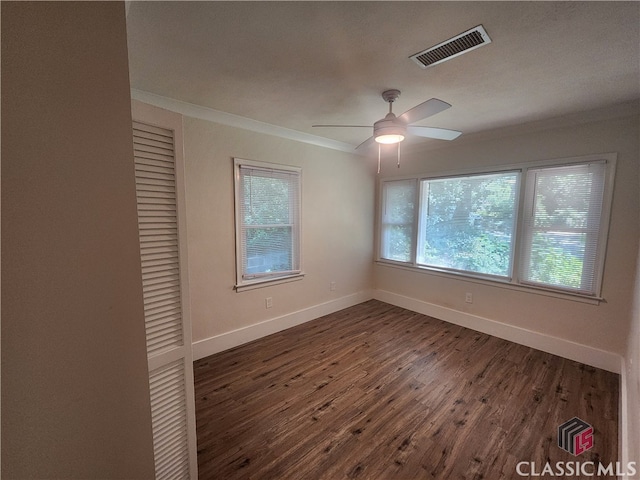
[[168, 331]]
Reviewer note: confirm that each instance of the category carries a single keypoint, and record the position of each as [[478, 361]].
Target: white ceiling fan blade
[[366, 144], [424, 110], [432, 132]]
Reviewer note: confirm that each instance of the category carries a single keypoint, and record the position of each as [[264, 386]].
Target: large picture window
[[551, 235], [466, 223], [267, 221]]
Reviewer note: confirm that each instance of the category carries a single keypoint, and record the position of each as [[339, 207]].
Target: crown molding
[[610, 112], [231, 120]]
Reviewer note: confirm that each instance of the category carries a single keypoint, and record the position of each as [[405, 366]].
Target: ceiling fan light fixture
[[389, 130], [389, 139]]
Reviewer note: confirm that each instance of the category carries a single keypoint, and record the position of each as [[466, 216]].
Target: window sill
[[576, 297], [260, 283]]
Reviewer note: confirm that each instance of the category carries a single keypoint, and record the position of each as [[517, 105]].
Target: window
[[563, 207], [397, 219], [552, 235], [267, 221], [466, 223]]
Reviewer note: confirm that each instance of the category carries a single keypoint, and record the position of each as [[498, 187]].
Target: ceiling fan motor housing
[[389, 129]]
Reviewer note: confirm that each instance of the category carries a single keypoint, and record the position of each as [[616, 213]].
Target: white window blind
[[267, 221], [398, 202], [562, 224]]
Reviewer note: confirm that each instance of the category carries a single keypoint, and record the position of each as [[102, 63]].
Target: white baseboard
[[623, 433], [564, 348], [557, 346], [225, 341]]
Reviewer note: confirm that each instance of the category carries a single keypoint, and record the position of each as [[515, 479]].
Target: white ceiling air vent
[[463, 43]]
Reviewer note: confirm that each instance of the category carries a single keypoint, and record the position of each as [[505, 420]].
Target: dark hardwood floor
[[379, 392]]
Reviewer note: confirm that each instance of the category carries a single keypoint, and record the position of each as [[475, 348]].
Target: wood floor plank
[[378, 392]]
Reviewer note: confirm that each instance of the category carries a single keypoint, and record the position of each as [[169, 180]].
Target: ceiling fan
[[392, 129]]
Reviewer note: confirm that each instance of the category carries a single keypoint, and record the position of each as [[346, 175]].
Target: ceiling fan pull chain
[[379, 146], [399, 154]]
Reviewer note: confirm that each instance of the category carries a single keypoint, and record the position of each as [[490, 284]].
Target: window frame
[[515, 281], [422, 192], [257, 281]]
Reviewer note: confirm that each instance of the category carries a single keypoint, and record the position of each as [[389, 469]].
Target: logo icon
[[575, 436]]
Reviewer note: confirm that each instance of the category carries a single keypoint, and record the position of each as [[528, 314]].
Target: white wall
[[630, 424], [630, 414], [337, 232], [601, 327], [75, 393]]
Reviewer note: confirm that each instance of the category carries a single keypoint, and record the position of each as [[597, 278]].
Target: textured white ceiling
[[295, 64]]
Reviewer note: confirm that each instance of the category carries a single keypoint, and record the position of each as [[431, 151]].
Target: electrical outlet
[[332, 286], [468, 298], [268, 302]]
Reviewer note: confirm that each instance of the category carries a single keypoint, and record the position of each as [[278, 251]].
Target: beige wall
[[632, 364], [337, 226], [603, 326], [75, 395], [632, 375]]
